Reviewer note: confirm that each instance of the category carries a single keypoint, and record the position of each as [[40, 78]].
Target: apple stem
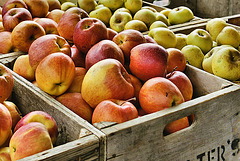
[[172, 72], [128, 100]]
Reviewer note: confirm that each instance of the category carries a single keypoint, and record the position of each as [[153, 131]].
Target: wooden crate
[[68, 145], [234, 19]]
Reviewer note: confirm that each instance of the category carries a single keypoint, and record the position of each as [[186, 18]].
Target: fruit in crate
[[107, 79], [87, 5], [55, 15], [49, 25], [114, 110], [133, 5], [161, 17], [5, 154], [14, 111], [200, 38], [55, 73], [6, 83], [111, 33], [13, 4], [6, 45], [38, 8], [215, 26], [148, 60], [226, 63], [102, 13], [229, 36], [145, 15], [76, 84], [77, 104], [137, 84], [180, 15], [88, 32], [6, 124], [181, 40], [118, 20], [157, 24], [136, 25], [67, 5], [176, 60], [77, 57], [176, 126], [159, 93], [112, 4], [53, 4], [33, 134]]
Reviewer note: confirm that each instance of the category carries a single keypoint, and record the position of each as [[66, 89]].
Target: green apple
[[136, 25], [226, 63], [73, 1], [157, 24], [200, 38], [166, 11], [87, 5], [66, 5], [119, 20], [194, 55], [228, 36], [180, 15], [215, 26], [164, 37], [112, 4], [161, 17], [133, 5], [102, 13], [122, 9], [181, 40], [214, 44], [150, 8], [145, 15]]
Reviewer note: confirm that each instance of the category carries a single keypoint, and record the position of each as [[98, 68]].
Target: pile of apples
[[22, 136]]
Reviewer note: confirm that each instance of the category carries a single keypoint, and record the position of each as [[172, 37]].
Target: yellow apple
[[229, 36], [215, 26], [112, 4], [133, 5], [87, 5], [145, 15], [157, 24], [136, 25]]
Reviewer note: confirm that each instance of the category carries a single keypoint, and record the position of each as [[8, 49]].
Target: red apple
[[14, 111], [37, 8], [176, 126], [68, 21], [88, 32], [47, 45], [76, 103], [183, 83], [6, 45], [14, 16], [5, 154], [25, 33], [55, 73], [149, 39], [148, 60], [6, 124], [76, 84], [6, 83], [30, 139], [103, 50], [114, 110], [42, 117], [13, 4], [106, 79], [77, 57], [137, 84], [159, 93], [111, 33], [176, 60], [6, 144], [53, 4], [127, 40], [23, 68], [49, 25], [55, 15]]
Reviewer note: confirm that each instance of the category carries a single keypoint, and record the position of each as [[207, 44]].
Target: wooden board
[[234, 19]]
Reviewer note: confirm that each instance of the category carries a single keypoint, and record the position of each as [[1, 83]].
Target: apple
[[42, 117], [118, 20], [1, 27], [133, 5], [46, 45], [77, 57], [111, 33], [14, 111], [6, 144], [145, 15], [161, 17], [183, 83], [166, 11], [53, 4], [25, 33], [76, 103], [23, 68], [176, 126], [112, 4], [103, 50], [214, 27], [55, 15], [157, 24], [9, 4], [176, 60], [122, 9], [5, 154], [55, 73], [150, 39], [37, 8], [114, 110], [151, 8], [6, 45], [127, 40], [111, 80], [6, 124], [159, 93], [229, 36], [181, 40], [180, 15], [164, 37], [76, 84], [68, 21], [226, 63], [137, 84], [136, 25], [148, 60], [88, 32], [200, 38], [49, 25], [34, 135], [14, 16], [102, 13], [67, 5], [6, 83], [87, 5], [194, 55]]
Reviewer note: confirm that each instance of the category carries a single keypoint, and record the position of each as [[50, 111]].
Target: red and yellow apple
[[76, 84], [55, 15], [176, 126], [77, 57], [6, 45], [37, 8], [49, 25], [176, 60], [14, 111], [5, 154], [9, 4], [6, 124]]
